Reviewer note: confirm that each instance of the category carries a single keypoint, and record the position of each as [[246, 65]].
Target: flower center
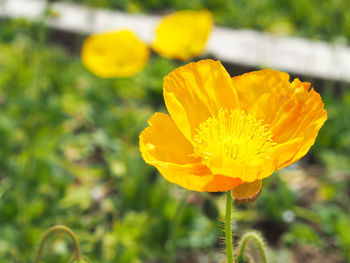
[[232, 135]]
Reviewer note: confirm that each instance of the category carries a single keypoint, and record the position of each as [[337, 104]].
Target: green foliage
[[335, 222], [272, 207], [301, 234], [333, 144]]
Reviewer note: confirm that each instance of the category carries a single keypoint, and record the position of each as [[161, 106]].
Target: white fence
[[246, 47]]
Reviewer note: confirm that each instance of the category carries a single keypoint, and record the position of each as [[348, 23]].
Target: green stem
[[228, 231], [258, 240], [56, 229]]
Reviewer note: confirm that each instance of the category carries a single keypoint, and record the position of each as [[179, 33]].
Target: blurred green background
[[69, 152]]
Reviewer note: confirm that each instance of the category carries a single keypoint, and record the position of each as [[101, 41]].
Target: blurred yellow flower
[[228, 133], [183, 35], [114, 54]]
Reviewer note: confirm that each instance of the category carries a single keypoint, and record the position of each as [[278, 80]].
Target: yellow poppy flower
[[228, 133], [183, 35], [114, 54]]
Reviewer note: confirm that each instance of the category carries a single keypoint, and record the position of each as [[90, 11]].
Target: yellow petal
[[183, 35], [258, 90], [284, 154], [163, 146], [247, 192], [204, 183], [246, 171], [293, 113], [163, 142], [300, 119], [114, 54], [195, 92]]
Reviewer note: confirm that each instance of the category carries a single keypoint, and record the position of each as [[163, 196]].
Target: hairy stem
[[228, 231], [58, 228], [257, 239]]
